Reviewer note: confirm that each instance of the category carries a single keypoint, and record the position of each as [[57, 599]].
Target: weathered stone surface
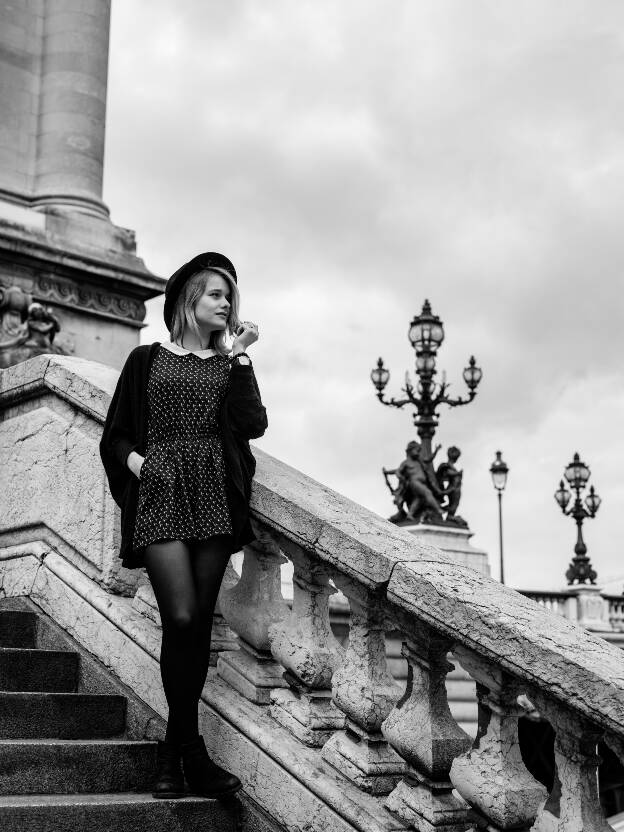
[[250, 672], [18, 568], [422, 730], [363, 688], [365, 758], [428, 806], [50, 435], [421, 727], [533, 644], [303, 641], [491, 775], [573, 804], [310, 715], [255, 602], [454, 542]]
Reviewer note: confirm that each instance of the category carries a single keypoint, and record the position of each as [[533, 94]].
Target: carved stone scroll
[[423, 731], [250, 607], [305, 645], [491, 776], [366, 692], [573, 804]]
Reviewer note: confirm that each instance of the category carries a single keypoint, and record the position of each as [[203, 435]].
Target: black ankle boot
[[169, 778], [203, 775]]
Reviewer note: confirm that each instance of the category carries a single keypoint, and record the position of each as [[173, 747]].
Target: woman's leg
[[209, 561], [168, 565]]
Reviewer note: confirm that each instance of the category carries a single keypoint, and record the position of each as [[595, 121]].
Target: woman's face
[[213, 306]]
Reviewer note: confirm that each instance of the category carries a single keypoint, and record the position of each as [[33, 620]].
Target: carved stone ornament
[[61, 290], [26, 327]]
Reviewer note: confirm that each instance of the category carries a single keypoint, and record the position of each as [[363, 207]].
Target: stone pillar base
[[251, 673], [223, 638], [366, 759], [454, 542], [429, 805], [592, 610], [310, 715]]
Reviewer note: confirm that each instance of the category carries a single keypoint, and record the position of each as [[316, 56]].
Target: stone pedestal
[[454, 542], [592, 610]]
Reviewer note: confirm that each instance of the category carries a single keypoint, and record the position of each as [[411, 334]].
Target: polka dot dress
[[182, 480]]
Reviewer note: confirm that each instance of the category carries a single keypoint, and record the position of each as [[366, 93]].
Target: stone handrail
[[398, 745]]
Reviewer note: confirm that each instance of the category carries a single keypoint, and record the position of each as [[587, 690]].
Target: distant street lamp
[[426, 334], [499, 471], [577, 474]]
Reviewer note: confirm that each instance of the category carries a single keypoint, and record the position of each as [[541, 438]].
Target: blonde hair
[[184, 310]]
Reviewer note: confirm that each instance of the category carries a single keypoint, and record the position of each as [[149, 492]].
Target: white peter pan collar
[[169, 345]]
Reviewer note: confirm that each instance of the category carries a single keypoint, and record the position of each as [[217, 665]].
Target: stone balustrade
[[371, 755], [587, 605]]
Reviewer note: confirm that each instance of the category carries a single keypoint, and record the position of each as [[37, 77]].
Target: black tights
[[186, 577]]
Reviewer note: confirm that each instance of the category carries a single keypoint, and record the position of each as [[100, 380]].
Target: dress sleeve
[[246, 413]]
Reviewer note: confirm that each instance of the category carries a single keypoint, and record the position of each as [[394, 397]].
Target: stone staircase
[[72, 758]]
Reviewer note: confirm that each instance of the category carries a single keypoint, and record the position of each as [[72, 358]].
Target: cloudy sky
[[355, 158]]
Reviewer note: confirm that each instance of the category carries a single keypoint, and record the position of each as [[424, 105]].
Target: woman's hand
[[135, 463], [246, 334]]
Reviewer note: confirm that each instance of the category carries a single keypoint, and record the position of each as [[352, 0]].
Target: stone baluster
[[305, 645], [366, 692], [573, 804], [250, 607], [491, 776], [423, 731]]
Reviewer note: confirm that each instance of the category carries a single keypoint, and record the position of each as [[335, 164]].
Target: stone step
[[18, 628], [113, 812], [30, 669], [51, 766], [61, 715]]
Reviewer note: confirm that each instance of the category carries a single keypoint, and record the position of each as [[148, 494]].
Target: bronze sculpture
[[423, 495]]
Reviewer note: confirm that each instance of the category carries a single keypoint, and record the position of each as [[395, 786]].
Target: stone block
[[251, 673], [369, 762], [310, 716]]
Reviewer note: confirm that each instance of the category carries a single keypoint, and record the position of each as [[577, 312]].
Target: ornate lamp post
[[577, 474], [426, 334], [499, 471]]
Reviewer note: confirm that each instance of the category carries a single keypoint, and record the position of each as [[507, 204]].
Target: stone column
[[251, 606], [366, 692], [306, 647], [492, 776], [72, 106], [422, 730]]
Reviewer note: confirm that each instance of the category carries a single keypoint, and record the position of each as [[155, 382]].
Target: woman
[[175, 447]]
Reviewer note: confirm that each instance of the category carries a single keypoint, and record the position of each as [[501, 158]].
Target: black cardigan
[[242, 418]]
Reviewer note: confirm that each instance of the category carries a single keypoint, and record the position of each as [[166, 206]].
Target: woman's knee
[[182, 620]]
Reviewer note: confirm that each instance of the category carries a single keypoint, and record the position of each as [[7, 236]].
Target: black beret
[[177, 280]]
